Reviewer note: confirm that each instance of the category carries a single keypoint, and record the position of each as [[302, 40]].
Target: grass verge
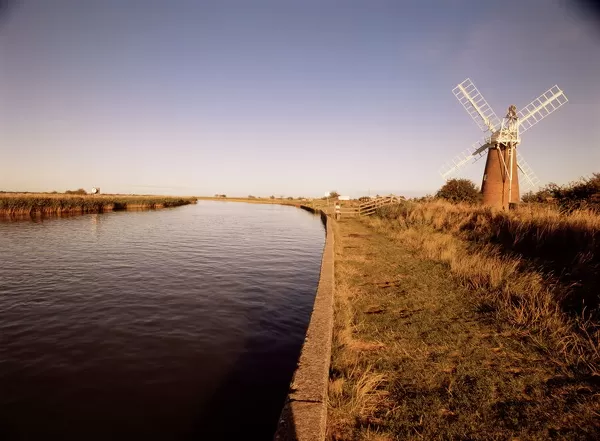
[[433, 340]]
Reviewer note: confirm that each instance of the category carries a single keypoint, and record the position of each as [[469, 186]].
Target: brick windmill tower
[[500, 185]]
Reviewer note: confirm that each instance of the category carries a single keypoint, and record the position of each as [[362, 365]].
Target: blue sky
[[284, 97]]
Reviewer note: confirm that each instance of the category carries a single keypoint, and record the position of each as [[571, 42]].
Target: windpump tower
[[500, 184]]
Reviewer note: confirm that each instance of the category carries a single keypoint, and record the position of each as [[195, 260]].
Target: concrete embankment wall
[[304, 415]]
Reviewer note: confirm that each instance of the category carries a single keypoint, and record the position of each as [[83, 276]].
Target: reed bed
[[47, 203]]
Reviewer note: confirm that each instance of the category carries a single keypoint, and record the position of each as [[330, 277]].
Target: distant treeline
[[79, 191]]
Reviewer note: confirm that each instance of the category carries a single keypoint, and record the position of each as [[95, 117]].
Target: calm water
[[182, 323]]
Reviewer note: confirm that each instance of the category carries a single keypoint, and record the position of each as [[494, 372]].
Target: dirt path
[[416, 357]]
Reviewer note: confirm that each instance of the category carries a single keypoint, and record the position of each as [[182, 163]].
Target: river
[[173, 324]]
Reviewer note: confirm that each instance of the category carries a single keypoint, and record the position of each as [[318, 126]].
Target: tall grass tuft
[[567, 244], [537, 266]]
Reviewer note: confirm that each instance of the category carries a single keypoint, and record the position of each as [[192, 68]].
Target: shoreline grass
[[22, 204]]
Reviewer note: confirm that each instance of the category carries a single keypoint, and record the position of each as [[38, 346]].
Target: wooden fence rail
[[370, 207], [367, 208]]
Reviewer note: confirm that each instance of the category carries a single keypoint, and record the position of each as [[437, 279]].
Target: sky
[[292, 98]]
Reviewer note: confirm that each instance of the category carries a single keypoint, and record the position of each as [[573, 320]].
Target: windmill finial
[[512, 112]]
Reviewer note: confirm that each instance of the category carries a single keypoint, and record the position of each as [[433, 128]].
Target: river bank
[[432, 340], [304, 413], [326, 206], [23, 204]]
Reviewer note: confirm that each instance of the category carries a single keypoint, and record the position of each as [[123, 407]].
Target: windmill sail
[[503, 135], [476, 106], [468, 156], [540, 108], [531, 181]]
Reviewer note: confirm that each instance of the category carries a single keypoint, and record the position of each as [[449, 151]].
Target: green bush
[[459, 190]]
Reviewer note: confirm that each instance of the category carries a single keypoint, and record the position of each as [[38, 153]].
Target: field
[[15, 204], [456, 322], [254, 200], [317, 203]]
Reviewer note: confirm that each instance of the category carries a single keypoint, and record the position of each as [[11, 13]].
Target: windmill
[[500, 185]]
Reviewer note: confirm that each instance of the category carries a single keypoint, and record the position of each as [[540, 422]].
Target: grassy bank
[[451, 322], [43, 203], [317, 204], [562, 247]]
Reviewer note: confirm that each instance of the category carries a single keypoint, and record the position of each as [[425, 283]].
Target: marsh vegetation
[[55, 203]]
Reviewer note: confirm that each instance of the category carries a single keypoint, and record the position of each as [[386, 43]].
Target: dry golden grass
[[511, 259], [437, 336], [55, 203], [355, 393]]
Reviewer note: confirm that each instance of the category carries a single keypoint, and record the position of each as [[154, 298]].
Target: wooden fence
[[367, 208], [370, 207]]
